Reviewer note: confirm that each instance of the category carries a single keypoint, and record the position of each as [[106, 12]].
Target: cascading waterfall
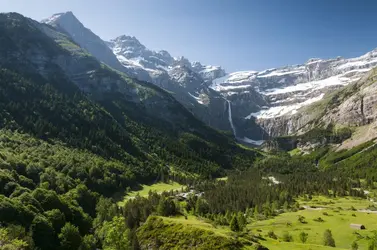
[[230, 118]]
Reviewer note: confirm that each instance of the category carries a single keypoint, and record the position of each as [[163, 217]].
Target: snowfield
[[295, 84]]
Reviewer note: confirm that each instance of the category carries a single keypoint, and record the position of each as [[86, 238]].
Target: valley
[[107, 144]]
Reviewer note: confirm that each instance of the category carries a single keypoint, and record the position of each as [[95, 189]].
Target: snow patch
[[282, 110], [313, 85], [196, 98], [281, 73], [225, 88]]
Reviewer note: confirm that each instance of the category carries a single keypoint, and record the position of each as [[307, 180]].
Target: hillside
[[77, 134], [93, 158], [64, 93]]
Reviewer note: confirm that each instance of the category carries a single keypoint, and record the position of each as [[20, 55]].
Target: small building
[[357, 226]]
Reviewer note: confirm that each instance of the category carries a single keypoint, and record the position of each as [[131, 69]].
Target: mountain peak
[[128, 43], [57, 16]]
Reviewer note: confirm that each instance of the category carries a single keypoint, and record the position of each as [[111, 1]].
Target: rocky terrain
[[282, 94], [253, 105]]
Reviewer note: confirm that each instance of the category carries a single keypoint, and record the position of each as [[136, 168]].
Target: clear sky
[[236, 34]]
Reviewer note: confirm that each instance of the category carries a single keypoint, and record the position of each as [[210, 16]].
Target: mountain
[[350, 108], [188, 82], [252, 105], [64, 93], [282, 92]]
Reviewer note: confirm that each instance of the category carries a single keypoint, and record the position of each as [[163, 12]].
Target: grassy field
[[335, 212], [338, 220], [193, 221], [158, 187]]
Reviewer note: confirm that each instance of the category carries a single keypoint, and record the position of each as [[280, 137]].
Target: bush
[[328, 240], [301, 219], [303, 237], [319, 219], [354, 245], [287, 237], [272, 235]]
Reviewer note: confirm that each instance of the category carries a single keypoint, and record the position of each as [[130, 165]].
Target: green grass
[[193, 221], [179, 233], [295, 151], [338, 222], [222, 178], [277, 245], [158, 187]]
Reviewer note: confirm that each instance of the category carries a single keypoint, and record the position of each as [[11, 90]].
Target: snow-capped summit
[[289, 88], [129, 45], [56, 16], [131, 53]]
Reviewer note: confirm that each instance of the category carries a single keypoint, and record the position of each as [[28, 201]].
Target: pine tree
[[286, 206], [228, 216], [241, 221], [256, 212], [328, 240], [303, 237], [234, 226]]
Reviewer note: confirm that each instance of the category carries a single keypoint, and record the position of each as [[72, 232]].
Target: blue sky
[[236, 34]]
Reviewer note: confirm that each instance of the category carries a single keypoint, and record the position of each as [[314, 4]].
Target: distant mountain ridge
[[255, 99], [187, 81]]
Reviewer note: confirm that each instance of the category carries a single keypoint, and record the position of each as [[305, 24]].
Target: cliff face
[[352, 106]]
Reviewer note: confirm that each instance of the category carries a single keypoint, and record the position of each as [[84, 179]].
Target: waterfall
[[230, 118]]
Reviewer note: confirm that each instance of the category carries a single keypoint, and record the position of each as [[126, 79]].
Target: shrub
[[301, 219], [328, 240], [354, 245], [272, 235], [319, 219], [287, 237], [303, 237]]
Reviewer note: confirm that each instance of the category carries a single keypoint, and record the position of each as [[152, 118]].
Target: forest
[[71, 150]]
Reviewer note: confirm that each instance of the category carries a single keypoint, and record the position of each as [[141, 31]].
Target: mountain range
[[253, 105], [110, 145]]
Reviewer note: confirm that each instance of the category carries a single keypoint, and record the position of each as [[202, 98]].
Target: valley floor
[[337, 215], [157, 187]]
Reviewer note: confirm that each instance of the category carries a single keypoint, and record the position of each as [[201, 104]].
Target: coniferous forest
[[72, 146]]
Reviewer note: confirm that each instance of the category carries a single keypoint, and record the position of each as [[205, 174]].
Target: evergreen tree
[[286, 205], [241, 221], [228, 216], [234, 226], [328, 240], [256, 212], [287, 237], [303, 237], [201, 206]]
